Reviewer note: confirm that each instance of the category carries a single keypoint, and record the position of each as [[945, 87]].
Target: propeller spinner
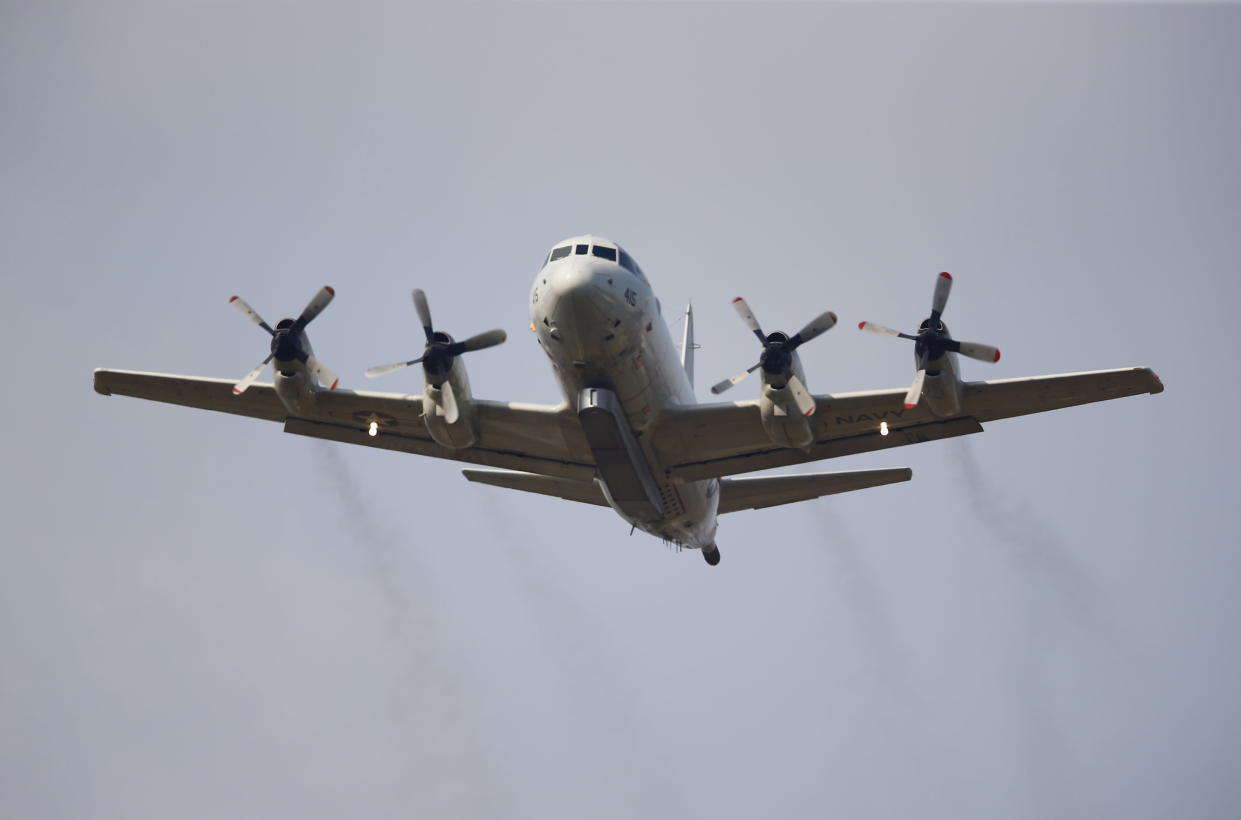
[[288, 341], [777, 356], [440, 350], [932, 340]]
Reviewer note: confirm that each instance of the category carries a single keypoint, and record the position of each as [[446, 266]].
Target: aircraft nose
[[583, 308], [580, 285], [574, 278]]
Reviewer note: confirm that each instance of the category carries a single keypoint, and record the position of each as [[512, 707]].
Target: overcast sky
[[201, 617]]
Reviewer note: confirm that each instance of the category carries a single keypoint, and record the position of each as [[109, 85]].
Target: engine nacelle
[[448, 409], [784, 423], [297, 389], [942, 394], [941, 390], [295, 384]]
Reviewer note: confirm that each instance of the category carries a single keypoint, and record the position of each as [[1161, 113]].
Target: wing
[[716, 440], [533, 438]]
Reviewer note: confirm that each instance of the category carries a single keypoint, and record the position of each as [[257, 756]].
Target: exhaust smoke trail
[[595, 684], [1064, 591], [443, 756], [1030, 539], [896, 705], [860, 589], [359, 520]]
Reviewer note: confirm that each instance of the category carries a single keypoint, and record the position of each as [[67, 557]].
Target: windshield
[[608, 252], [626, 262]]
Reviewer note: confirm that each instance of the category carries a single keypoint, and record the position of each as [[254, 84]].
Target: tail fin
[[687, 344]]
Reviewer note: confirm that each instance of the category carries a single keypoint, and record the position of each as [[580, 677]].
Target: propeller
[[777, 356], [932, 340], [288, 341], [440, 351]]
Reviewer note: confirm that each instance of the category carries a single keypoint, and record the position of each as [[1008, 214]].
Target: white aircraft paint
[[602, 327]]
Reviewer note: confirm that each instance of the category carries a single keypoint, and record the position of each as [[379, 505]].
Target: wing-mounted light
[[447, 407]]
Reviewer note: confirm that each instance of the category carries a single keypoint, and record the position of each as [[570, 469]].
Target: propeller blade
[[983, 353], [250, 313], [884, 331], [315, 307], [814, 329], [424, 312], [727, 383], [451, 411], [747, 316], [384, 369], [943, 284], [915, 391], [805, 401], [251, 377], [323, 373], [483, 340]]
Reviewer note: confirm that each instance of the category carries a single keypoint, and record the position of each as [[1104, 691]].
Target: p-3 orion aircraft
[[629, 433]]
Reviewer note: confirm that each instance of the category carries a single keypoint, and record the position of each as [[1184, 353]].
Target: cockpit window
[[560, 253], [628, 264], [581, 249], [605, 253]]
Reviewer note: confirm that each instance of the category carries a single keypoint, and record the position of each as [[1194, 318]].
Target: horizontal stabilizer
[[587, 492], [756, 493]]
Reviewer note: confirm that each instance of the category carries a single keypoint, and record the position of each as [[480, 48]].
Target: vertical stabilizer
[[687, 344]]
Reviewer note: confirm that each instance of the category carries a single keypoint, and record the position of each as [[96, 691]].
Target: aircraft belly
[[628, 482], [685, 512], [618, 366], [633, 480], [676, 511]]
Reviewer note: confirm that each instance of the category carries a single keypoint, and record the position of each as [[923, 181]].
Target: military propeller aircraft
[[629, 433]]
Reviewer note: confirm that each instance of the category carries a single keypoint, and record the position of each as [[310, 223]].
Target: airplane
[[629, 433]]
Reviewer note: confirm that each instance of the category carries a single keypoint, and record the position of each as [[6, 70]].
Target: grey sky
[[202, 617]]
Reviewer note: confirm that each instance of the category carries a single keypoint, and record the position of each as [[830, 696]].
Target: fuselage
[[599, 322]]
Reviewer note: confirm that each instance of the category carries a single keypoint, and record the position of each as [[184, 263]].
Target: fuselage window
[[560, 253], [581, 250], [605, 253]]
